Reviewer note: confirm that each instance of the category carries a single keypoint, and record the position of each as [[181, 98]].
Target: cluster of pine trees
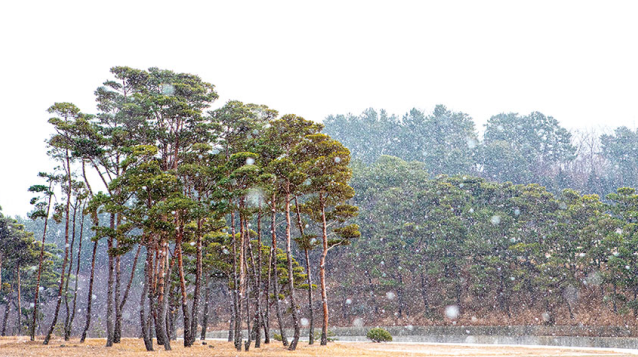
[[191, 191], [487, 249]]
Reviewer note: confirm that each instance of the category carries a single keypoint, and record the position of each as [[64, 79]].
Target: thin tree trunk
[[236, 286], [66, 252], [37, 284], [7, 311], [206, 307], [110, 283], [77, 276], [182, 284], [322, 273], [311, 332], [291, 280], [424, 293], [130, 280], [273, 254], [256, 273], [19, 333], [198, 285], [67, 333], [148, 340], [89, 303], [117, 328], [162, 298]]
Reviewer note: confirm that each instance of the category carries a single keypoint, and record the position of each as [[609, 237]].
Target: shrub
[[379, 335], [277, 337]]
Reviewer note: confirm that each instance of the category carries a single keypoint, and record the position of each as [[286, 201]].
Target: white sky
[[574, 60]]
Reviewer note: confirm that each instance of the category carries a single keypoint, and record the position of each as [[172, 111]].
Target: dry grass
[[20, 346]]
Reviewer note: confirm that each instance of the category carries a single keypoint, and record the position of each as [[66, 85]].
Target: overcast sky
[[574, 60]]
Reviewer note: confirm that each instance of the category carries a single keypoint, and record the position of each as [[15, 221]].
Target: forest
[[165, 218]]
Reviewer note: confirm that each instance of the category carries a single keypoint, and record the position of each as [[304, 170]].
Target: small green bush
[[277, 337], [379, 335]]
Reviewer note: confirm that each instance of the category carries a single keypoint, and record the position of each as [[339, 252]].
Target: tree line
[[191, 193], [523, 149]]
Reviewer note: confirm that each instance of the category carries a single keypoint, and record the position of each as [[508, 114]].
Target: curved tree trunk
[[89, 303]]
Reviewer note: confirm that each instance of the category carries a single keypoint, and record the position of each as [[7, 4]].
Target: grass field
[[20, 346]]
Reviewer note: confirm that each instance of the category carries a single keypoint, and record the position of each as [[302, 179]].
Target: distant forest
[[522, 149], [193, 220]]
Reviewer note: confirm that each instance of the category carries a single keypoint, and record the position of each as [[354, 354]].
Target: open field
[[20, 346]]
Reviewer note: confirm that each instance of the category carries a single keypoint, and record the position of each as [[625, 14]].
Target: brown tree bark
[[67, 333], [37, 284], [206, 307], [146, 336], [198, 284], [19, 291], [291, 280], [275, 278], [89, 303], [66, 250], [69, 326], [322, 272], [182, 284]]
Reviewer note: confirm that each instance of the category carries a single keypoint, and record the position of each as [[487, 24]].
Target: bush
[[277, 337], [379, 335]]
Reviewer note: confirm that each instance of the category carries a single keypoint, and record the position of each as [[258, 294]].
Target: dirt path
[[21, 346]]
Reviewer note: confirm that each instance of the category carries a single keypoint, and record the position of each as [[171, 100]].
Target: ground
[[21, 346]]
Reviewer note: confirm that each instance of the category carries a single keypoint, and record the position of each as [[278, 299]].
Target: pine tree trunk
[[77, 277], [182, 284], [259, 290], [148, 340], [89, 303], [66, 253], [162, 298], [118, 319], [236, 286], [19, 319], [67, 333], [7, 311], [37, 284], [110, 283], [117, 328], [322, 273], [275, 278], [291, 280], [424, 294], [256, 331], [198, 285], [311, 332], [206, 307], [311, 329]]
